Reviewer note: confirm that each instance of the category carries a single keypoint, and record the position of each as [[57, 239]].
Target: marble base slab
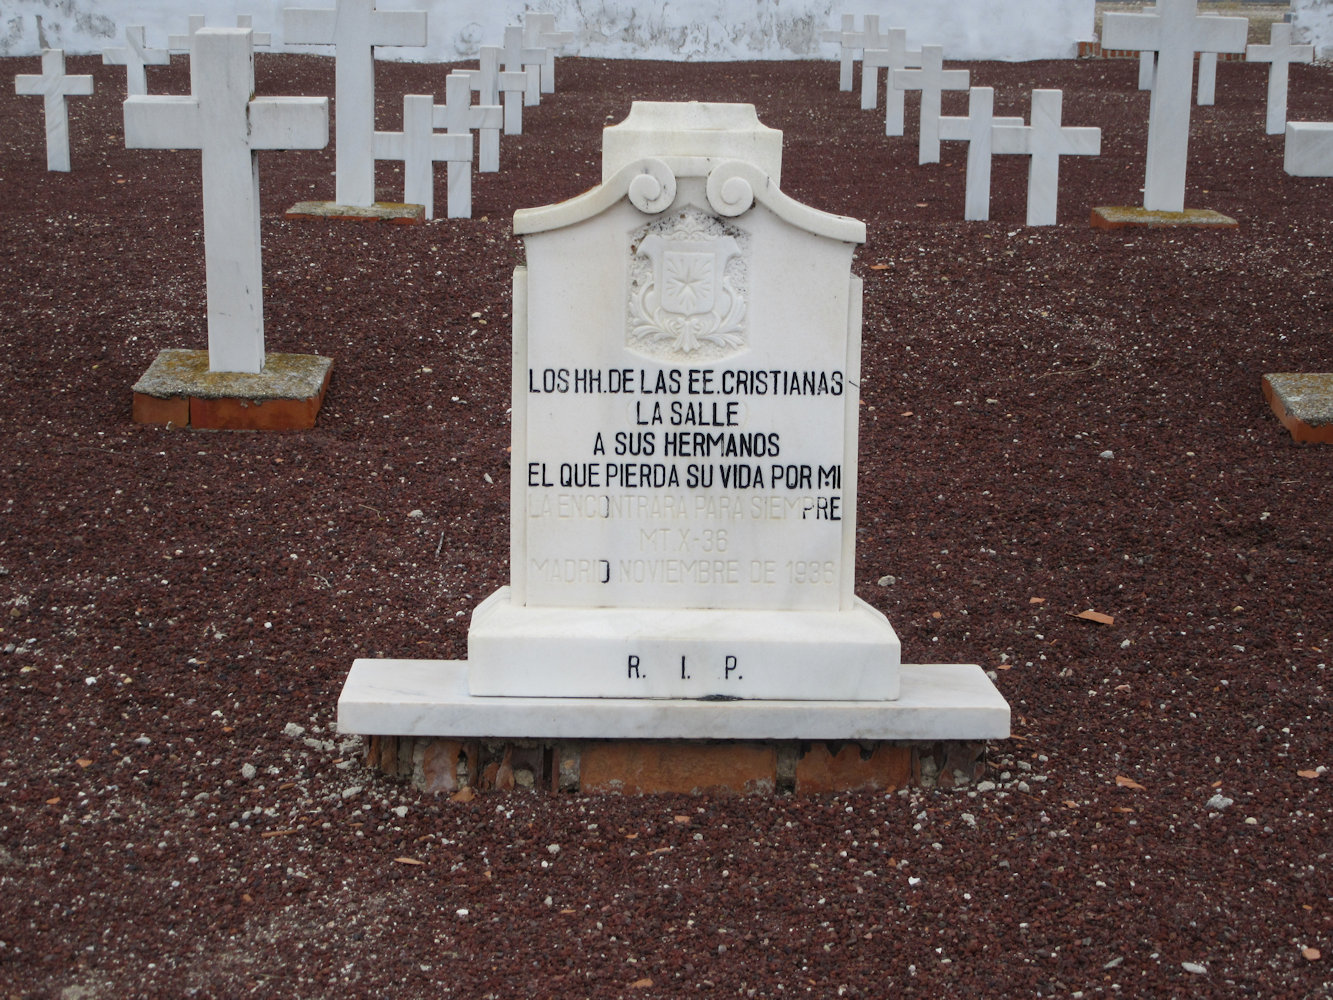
[[515, 651], [1127, 216], [381, 211], [430, 698], [1308, 151], [1303, 401], [179, 389]]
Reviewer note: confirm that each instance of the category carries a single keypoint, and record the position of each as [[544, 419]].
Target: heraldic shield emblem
[[687, 288]]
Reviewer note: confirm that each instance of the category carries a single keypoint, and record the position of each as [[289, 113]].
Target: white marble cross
[[485, 83], [845, 51], [354, 28], [1045, 141], [894, 55], [1279, 53], [225, 121], [539, 32], [181, 43], [263, 39], [513, 85], [419, 146], [931, 79], [459, 116], [977, 130], [519, 57], [53, 85], [1175, 30], [874, 49], [134, 57]]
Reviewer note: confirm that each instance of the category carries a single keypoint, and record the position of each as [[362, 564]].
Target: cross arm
[[1137, 32], [1080, 141], [1011, 139], [1222, 34], [398, 27], [162, 123], [289, 123], [309, 25]]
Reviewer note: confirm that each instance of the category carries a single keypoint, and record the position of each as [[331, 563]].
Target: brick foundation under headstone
[[179, 390], [645, 767], [1303, 401]]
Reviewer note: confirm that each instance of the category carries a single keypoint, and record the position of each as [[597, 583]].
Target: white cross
[[513, 85], [1279, 53], [1045, 141], [459, 116], [1147, 68], [134, 57], [54, 86], [874, 47], [894, 55], [977, 131], [263, 39], [225, 121], [1175, 31], [485, 83], [930, 79], [539, 30], [418, 146], [845, 52], [519, 57], [354, 28], [181, 43]]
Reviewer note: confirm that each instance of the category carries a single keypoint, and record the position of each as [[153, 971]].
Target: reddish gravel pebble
[[1058, 413]]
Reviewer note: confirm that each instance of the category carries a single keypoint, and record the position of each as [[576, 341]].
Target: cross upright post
[[977, 130], [1175, 30], [931, 79], [354, 28], [135, 56], [485, 83], [225, 121], [518, 57], [1045, 141], [539, 32], [459, 116], [53, 86], [1147, 69], [418, 146], [844, 51], [1279, 53]]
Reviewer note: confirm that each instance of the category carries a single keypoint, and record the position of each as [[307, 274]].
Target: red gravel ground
[[179, 818]]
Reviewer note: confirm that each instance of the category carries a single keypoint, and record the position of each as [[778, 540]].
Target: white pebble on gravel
[[248, 771], [1219, 802], [1194, 968]]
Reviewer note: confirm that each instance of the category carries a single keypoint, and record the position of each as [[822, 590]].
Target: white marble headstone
[[354, 28], [459, 116], [54, 86], [686, 363], [846, 52], [539, 31], [225, 121]]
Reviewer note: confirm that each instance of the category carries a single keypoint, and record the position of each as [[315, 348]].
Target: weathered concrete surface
[[1125, 216], [1303, 401]]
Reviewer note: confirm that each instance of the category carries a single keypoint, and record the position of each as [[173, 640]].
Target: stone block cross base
[[424, 725], [1117, 217], [1303, 401], [464, 768], [381, 211], [179, 390]]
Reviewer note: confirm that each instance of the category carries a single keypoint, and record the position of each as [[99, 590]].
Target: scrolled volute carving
[[654, 189], [731, 187]]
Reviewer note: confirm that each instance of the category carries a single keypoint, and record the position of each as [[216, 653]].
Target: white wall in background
[[699, 30], [1312, 23]]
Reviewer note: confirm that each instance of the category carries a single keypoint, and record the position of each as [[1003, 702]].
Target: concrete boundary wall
[[684, 30]]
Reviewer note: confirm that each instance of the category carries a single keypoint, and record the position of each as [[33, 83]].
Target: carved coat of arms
[[687, 289]]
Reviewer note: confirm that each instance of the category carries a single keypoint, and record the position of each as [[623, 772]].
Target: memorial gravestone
[[539, 31], [418, 146], [931, 79], [1044, 142], [846, 50], [683, 485], [54, 86], [459, 116], [978, 131]]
